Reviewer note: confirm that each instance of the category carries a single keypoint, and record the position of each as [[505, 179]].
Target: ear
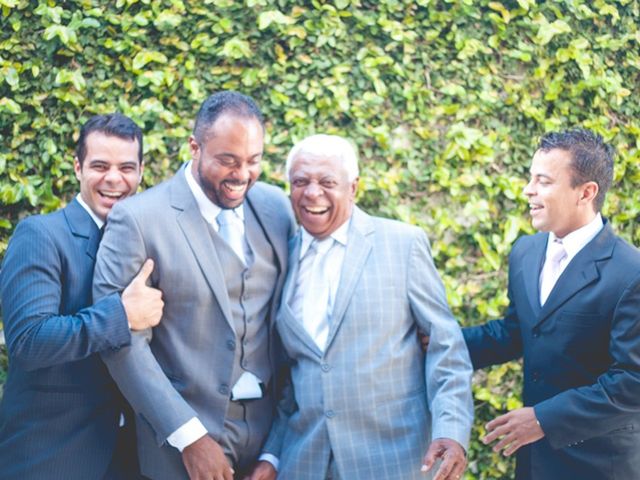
[[77, 168], [141, 173], [354, 187], [194, 148], [588, 192]]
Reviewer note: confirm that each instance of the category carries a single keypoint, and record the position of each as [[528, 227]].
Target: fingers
[[450, 470], [497, 422], [145, 271], [430, 457]]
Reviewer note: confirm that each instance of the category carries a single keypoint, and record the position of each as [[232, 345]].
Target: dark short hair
[[591, 158], [222, 102], [114, 125]]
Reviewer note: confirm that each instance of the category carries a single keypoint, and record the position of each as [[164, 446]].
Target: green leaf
[[144, 57], [8, 105], [273, 16]]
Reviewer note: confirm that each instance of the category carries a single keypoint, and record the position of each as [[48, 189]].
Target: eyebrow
[[99, 161]]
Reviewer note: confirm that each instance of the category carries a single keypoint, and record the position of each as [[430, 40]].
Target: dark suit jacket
[[581, 358], [60, 411]]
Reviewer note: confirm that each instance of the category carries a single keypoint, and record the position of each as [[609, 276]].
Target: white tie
[[311, 300], [552, 269], [232, 232]]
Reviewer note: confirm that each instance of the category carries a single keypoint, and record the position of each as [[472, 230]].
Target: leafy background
[[445, 99]]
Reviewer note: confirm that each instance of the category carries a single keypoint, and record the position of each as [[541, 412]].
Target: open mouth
[[111, 195], [234, 190], [534, 207], [316, 210]]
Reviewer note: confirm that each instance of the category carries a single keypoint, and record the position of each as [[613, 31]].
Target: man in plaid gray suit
[[364, 401]]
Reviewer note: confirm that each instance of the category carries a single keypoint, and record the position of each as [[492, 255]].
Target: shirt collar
[[208, 209], [340, 235], [576, 240], [98, 221]]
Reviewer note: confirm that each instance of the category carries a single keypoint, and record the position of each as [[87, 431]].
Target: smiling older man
[[366, 402]]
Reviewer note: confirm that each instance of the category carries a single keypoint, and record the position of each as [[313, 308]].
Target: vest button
[[330, 414], [231, 345], [223, 389], [325, 367]]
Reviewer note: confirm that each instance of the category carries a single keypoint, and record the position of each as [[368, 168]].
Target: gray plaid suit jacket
[[372, 399]]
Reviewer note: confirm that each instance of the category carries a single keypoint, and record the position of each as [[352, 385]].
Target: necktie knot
[[226, 217], [557, 251]]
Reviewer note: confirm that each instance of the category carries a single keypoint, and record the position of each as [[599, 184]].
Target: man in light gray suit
[[365, 401], [201, 382]]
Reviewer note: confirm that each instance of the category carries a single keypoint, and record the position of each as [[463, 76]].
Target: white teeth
[[316, 209], [235, 188], [111, 194]]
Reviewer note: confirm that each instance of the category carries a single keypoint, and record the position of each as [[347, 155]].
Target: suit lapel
[[285, 312], [581, 271], [531, 267], [264, 212], [82, 225], [358, 249], [197, 235]]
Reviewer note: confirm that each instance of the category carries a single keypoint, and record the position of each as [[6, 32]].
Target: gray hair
[[326, 146]]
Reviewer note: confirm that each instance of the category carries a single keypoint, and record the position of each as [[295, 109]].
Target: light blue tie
[[316, 293], [232, 232]]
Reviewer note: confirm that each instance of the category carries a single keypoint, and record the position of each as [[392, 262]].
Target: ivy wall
[[445, 98]]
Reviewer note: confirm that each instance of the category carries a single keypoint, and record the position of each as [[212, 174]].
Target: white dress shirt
[[574, 242], [334, 259]]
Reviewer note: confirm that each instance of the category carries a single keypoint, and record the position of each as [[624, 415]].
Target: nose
[[312, 190], [241, 172], [112, 175], [529, 190]]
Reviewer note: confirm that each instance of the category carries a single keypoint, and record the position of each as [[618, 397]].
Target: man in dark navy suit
[[574, 317], [61, 413]]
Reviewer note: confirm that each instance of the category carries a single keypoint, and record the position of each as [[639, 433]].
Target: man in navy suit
[[574, 317], [61, 412]]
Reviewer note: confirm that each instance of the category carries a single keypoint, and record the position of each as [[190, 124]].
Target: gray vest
[[250, 290]]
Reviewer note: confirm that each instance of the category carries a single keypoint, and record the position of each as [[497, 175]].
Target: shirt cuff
[[188, 433], [272, 459]]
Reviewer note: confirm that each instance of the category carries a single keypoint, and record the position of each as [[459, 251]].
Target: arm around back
[[46, 323]]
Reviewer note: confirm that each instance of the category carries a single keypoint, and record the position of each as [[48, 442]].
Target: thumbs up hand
[[142, 304]]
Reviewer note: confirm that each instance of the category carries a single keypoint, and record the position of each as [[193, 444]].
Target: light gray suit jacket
[[181, 369], [372, 398]]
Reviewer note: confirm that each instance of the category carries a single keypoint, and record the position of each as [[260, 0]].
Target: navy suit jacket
[[581, 354], [60, 410]]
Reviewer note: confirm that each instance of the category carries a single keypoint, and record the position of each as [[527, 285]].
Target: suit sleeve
[[285, 408], [134, 368], [611, 403], [497, 341], [38, 334], [447, 366]]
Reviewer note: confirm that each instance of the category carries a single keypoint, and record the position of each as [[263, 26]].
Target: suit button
[[536, 376], [330, 414], [325, 367], [223, 389], [231, 345], [536, 334]]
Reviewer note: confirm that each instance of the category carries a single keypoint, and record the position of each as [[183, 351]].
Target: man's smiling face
[[110, 171], [321, 194]]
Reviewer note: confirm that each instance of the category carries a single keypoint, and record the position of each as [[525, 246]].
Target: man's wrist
[[272, 459], [188, 433]]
